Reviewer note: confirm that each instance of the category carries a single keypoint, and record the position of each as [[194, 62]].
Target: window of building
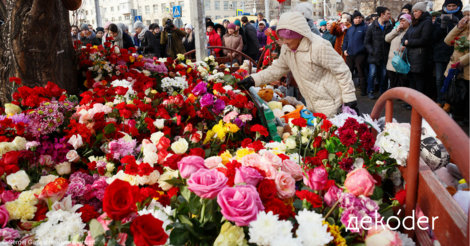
[[90, 2], [139, 10], [217, 5], [112, 9], [234, 5], [218, 17], [148, 22], [181, 3], [93, 22], [157, 21], [118, 8], [163, 7], [225, 5], [127, 17], [207, 4], [147, 10], [106, 20], [155, 8], [120, 18], [92, 12], [226, 16], [208, 16], [105, 10], [86, 12], [113, 19]]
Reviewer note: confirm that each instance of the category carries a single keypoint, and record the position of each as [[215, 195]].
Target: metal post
[[199, 21], [98, 14], [413, 168], [324, 9], [266, 10]]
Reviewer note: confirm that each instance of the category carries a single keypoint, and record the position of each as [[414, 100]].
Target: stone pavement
[[400, 113]]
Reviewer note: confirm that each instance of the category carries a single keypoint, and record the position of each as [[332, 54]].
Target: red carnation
[[347, 137], [301, 122], [278, 207], [260, 129], [311, 197], [326, 125], [88, 213], [321, 115]]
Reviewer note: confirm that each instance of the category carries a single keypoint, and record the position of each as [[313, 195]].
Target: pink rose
[[9, 196], [4, 216], [149, 145], [285, 185], [251, 160], [317, 178], [332, 195], [190, 164], [72, 156], [270, 170], [272, 159], [46, 160], [360, 182], [212, 162], [247, 175], [207, 183], [291, 167], [378, 236], [76, 141], [240, 204]]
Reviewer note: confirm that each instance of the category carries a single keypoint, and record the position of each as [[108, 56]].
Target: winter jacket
[[177, 46], [441, 50], [233, 42], [127, 41], [354, 40], [458, 56], [189, 45], [262, 38], [86, 40], [136, 40], [313, 28], [256, 25], [375, 43], [161, 48], [394, 38], [419, 38], [251, 46], [323, 77], [337, 31], [149, 45], [327, 35], [214, 40], [96, 41]]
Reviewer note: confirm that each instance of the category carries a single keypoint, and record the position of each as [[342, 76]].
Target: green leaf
[[185, 220], [387, 213], [179, 237], [112, 242], [209, 226], [110, 128], [349, 239], [185, 192], [208, 152], [100, 240], [98, 139], [174, 181], [330, 221], [298, 204], [96, 229], [378, 194], [194, 203], [130, 240], [330, 146]]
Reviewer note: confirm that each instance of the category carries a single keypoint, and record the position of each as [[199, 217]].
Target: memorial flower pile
[[171, 152]]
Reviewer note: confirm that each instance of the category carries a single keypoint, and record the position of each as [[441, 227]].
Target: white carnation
[[264, 229], [60, 226]]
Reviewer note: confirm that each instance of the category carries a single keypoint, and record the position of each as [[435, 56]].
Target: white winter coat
[[323, 78]]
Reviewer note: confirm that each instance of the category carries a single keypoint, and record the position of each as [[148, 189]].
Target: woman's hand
[[462, 22], [260, 49]]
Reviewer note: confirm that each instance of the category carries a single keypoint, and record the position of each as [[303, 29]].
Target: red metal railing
[[452, 227]]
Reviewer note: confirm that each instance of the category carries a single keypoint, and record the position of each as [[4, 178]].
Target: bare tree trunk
[[36, 45]]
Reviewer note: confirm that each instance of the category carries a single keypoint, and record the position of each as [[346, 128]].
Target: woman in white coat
[[323, 78]]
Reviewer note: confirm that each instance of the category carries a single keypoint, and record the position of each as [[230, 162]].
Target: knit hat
[[345, 18], [435, 13], [306, 9], [323, 23], [262, 22], [420, 6], [408, 7], [406, 17], [138, 24], [232, 26], [210, 23], [237, 22], [84, 26], [99, 29], [381, 10], [188, 26], [289, 34], [466, 8], [356, 14]]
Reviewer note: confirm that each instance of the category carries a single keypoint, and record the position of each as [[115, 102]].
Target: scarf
[[142, 33], [118, 39], [453, 11]]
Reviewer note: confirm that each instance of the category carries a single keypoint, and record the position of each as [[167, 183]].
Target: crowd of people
[[423, 39]]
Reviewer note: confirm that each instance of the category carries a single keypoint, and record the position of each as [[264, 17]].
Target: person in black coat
[[148, 42], [99, 36], [416, 42], [378, 50], [251, 47], [442, 51], [189, 42]]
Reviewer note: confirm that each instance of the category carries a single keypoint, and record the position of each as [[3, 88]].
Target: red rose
[[323, 154], [326, 125], [120, 199], [11, 158], [245, 142], [148, 230], [323, 116], [401, 197], [317, 142], [198, 152], [172, 161], [311, 197], [267, 190], [278, 207]]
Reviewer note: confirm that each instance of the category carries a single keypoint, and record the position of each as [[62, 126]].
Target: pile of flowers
[[170, 152]]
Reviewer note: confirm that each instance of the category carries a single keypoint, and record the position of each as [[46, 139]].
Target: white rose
[[154, 176], [167, 175], [63, 168], [7, 147], [150, 157], [159, 123], [76, 141], [304, 140], [72, 156], [155, 137], [110, 167], [44, 180], [11, 108], [290, 143], [126, 137], [20, 143], [110, 104], [180, 146], [18, 181], [143, 180], [147, 73]]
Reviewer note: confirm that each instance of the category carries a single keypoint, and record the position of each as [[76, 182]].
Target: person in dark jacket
[[353, 48], [378, 50], [121, 39], [176, 46], [238, 26], [328, 36], [407, 8], [189, 41], [148, 42], [157, 33], [443, 52], [416, 41], [85, 35], [251, 47], [99, 36]]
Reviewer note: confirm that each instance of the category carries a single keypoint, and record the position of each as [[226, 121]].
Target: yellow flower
[[334, 231], [153, 91], [180, 57], [220, 130], [131, 59], [230, 127], [189, 70], [230, 235], [139, 57], [11, 108], [226, 156], [243, 152], [209, 136], [24, 207]]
